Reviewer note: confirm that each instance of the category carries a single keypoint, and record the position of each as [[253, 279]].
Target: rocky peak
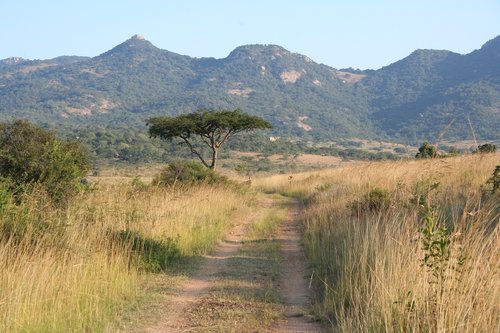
[[135, 46], [138, 37], [13, 61]]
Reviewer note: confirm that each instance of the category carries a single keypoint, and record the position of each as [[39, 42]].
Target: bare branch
[[228, 134], [195, 152]]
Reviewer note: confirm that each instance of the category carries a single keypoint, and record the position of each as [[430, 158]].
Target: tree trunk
[[214, 158]]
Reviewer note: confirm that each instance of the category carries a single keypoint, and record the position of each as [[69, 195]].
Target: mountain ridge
[[409, 100]]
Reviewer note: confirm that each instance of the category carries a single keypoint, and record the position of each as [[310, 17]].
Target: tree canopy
[[212, 127]]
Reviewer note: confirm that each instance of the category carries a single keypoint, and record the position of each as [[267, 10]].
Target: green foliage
[[426, 150], [375, 200], [205, 123], [152, 255], [495, 179], [33, 157], [436, 243], [5, 194], [492, 186], [485, 149], [187, 173]]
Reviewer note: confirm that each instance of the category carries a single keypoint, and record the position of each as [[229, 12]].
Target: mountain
[[413, 99], [418, 96]]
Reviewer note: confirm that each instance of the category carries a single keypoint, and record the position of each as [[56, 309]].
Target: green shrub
[[492, 187], [151, 255], [485, 149], [188, 173], [33, 157], [426, 150], [5, 195], [373, 201], [495, 180]]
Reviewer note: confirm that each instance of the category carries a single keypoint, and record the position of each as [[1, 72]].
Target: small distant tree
[[485, 149], [207, 128], [426, 150]]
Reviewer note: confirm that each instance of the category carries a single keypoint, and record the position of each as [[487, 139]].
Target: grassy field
[[402, 246], [78, 269]]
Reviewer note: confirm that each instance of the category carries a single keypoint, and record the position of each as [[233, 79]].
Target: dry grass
[[70, 271], [368, 254]]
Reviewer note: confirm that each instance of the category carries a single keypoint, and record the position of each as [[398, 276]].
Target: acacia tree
[[212, 127]]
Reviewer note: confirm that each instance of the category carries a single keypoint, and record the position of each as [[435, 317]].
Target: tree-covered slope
[[417, 97], [412, 99]]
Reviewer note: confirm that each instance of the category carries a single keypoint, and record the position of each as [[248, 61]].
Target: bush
[[493, 183], [188, 173], [426, 150], [485, 149], [33, 157], [373, 201], [5, 195], [151, 255]]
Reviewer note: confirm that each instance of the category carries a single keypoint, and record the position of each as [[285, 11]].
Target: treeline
[[134, 146]]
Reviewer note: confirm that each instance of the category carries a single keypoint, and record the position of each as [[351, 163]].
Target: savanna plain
[[392, 246]]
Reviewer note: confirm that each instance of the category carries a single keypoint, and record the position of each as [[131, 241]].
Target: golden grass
[[69, 271], [368, 257]]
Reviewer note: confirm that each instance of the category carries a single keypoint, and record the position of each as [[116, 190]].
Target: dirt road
[[295, 276], [253, 282]]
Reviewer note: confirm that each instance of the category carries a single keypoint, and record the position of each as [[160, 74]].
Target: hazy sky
[[339, 33]]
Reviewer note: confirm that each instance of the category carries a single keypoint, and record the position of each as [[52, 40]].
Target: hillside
[[419, 95], [410, 100]]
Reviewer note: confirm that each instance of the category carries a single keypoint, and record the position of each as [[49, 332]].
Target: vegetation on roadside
[[188, 173], [408, 246], [33, 159], [77, 268]]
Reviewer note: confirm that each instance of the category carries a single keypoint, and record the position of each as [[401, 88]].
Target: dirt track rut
[[293, 280]]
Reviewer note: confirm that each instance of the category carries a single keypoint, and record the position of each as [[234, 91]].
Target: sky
[[340, 33]]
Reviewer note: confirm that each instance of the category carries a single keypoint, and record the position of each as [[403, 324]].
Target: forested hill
[[413, 99], [421, 94]]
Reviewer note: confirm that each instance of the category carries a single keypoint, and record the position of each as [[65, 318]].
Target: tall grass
[[366, 230], [75, 269]]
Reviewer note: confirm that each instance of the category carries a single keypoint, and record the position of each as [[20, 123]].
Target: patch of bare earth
[[242, 91], [79, 111], [349, 77], [295, 277], [318, 159], [300, 123], [290, 76]]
